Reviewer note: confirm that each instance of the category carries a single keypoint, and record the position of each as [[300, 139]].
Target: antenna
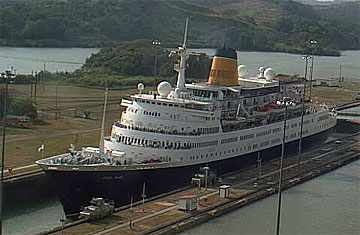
[[101, 145], [186, 29]]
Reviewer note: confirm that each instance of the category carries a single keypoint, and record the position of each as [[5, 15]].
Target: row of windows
[[151, 143], [246, 137], [276, 130], [263, 144], [156, 114], [262, 133], [324, 117], [229, 140], [205, 144], [159, 103], [208, 130]]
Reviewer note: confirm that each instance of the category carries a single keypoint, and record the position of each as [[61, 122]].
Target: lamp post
[[285, 101], [155, 43], [312, 43], [259, 163], [306, 58], [6, 76], [206, 168]]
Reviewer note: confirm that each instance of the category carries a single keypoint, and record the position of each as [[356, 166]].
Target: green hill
[[269, 25]]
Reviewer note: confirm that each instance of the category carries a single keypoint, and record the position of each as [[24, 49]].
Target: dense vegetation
[[270, 25], [17, 106], [128, 64]]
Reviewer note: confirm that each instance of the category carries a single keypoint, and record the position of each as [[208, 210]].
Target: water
[[355, 114], [328, 204], [27, 59], [32, 217]]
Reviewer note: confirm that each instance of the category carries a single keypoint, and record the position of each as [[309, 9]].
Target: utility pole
[[155, 43], [259, 163], [306, 58], [6, 76], [36, 80], [286, 101], [56, 102], [206, 177], [143, 195], [340, 70], [312, 43]]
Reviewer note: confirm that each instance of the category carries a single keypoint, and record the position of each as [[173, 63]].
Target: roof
[[224, 186], [189, 196]]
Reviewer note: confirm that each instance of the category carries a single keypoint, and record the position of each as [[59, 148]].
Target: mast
[[101, 144], [181, 67]]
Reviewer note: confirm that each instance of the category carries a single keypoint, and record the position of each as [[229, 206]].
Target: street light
[[6, 76], [155, 43], [312, 43], [285, 101], [306, 58], [206, 168]]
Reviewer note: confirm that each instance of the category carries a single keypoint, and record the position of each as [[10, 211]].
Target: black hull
[[75, 188]]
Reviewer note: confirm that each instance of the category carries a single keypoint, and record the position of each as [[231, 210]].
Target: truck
[[99, 208]]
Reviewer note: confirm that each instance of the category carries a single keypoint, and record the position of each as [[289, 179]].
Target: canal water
[[26, 60]]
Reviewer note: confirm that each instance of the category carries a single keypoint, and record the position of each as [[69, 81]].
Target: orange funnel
[[224, 68]]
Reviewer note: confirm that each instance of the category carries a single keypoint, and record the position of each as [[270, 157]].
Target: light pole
[[259, 163], [312, 43], [306, 58], [155, 43], [285, 101], [6, 76], [206, 177]]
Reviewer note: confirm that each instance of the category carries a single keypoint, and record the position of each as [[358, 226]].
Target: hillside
[[269, 25]]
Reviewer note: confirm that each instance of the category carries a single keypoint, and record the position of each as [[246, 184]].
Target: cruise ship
[[163, 137]]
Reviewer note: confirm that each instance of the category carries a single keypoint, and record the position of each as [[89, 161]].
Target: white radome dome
[[164, 88], [140, 86], [269, 74], [242, 71]]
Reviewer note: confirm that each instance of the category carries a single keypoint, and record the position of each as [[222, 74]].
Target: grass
[[344, 93]]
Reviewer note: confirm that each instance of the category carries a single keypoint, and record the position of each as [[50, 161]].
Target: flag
[[41, 148]]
